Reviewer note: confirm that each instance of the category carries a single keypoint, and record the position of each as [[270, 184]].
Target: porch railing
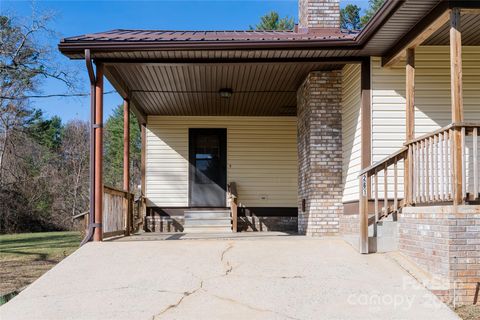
[[370, 184], [433, 164], [425, 166], [117, 212]]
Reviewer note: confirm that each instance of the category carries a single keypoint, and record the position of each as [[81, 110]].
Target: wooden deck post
[[143, 160], [366, 154], [457, 103], [410, 123], [126, 162], [126, 145], [98, 126]]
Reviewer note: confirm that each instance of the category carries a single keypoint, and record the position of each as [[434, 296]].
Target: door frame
[[222, 133]]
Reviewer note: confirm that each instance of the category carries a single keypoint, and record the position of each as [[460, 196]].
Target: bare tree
[[72, 185], [26, 166], [24, 63]]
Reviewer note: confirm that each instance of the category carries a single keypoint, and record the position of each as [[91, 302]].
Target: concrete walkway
[[267, 277]]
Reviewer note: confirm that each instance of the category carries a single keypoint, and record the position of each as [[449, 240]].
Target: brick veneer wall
[[319, 13], [349, 224], [445, 241], [319, 135], [159, 223]]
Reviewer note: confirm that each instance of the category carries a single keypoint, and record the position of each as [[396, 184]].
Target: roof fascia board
[[78, 47], [380, 18], [179, 62]]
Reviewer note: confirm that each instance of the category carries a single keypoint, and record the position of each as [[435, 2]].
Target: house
[[315, 130]]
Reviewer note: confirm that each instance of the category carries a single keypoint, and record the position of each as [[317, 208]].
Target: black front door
[[208, 167]]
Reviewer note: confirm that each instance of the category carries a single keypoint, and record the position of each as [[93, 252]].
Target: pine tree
[[272, 21], [113, 149], [370, 12], [350, 17]]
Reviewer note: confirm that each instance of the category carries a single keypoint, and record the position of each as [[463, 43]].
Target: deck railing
[[426, 166], [117, 212], [433, 164], [392, 200]]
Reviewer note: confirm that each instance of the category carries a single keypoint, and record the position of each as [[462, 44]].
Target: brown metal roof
[[392, 21], [121, 35]]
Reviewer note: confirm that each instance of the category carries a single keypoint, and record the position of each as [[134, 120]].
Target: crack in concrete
[[253, 307], [224, 252], [182, 298], [290, 277], [227, 265], [229, 269]]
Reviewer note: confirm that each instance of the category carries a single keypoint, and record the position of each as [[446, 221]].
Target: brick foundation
[[253, 223], [349, 224], [164, 224], [445, 241], [250, 223], [319, 139]]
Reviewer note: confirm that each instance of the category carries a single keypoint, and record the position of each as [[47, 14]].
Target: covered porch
[[335, 131], [429, 184], [220, 149]]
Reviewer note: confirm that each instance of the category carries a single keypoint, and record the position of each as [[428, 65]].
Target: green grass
[[39, 246], [26, 256]]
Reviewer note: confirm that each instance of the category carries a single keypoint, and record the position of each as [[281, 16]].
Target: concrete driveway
[[266, 277]]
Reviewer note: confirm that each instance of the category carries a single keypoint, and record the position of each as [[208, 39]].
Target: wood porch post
[[98, 126], [457, 103], [143, 134], [143, 156], [126, 145], [366, 154], [126, 160], [410, 122]]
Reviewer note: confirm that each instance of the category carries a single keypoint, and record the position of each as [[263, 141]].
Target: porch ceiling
[[259, 89], [470, 27]]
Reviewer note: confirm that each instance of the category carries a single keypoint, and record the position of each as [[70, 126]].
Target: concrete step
[[207, 214], [209, 221], [207, 229], [386, 239]]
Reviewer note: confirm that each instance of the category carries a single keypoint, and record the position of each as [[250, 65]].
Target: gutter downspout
[[91, 217]]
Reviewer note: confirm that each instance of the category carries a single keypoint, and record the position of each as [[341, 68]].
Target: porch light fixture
[[225, 93]]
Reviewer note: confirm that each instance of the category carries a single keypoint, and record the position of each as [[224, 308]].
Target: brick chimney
[[315, 14]]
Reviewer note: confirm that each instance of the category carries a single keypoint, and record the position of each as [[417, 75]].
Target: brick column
[[319, 138]]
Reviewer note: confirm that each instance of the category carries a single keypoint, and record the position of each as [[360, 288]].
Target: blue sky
[[79, 17]]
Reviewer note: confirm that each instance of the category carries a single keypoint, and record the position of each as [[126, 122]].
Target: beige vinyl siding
[[432, 97], [351, 130], [261, 159]]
